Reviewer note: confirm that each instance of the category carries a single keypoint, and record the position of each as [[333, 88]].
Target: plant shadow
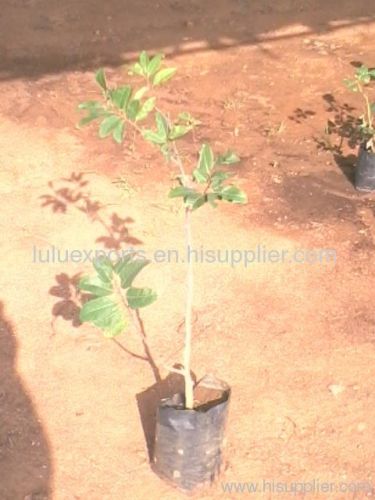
[[71, 299], [347, 165], [118, 233], [73, 193], [341, 133], [299, 115]]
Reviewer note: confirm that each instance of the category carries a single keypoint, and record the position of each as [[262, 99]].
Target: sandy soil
[[296, 342]]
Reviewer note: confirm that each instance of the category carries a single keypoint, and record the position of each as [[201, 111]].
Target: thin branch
[[137, 321], [142, 333], [128, 351]]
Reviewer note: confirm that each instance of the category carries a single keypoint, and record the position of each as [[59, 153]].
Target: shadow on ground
[[70, 299], [308, 200], [73, 193], [342, 133], [25, 462], [39, 37]]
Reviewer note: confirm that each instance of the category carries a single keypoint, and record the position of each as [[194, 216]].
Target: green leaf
[[162, 125], [198, 202], [199, 177], [95, 285], [94, 110], [86, 120], [106, 310], [363, 70], [108, 125], [129, 269], [140, 93], [205, 164], [116, 324], [98, 309], [103, 266], [182, 191], [120, 96], [363, 74], [153, 137], [218, 178], [165, 150], [140, 297], [104, 313], [146, 108], [187, 119], [144, 60], [185, 116], [233, 194], [228, 158], [100, 79], [211, 198], [179, 131], [154, 64], [118, 132], [206, 159], [121, 262], [93, 115], [136, 69], [89, 105], [352, 85], [163, 75], [191, 198], [159, 137], [133, 109], [366, 130]]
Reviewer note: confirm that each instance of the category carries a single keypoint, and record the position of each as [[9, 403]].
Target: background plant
[[127, 107], [360, 83]]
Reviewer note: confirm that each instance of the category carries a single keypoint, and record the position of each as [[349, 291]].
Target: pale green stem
[[189, 398]]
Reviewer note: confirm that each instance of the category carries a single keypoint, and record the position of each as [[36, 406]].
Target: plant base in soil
[[365, 171], [189, 443]]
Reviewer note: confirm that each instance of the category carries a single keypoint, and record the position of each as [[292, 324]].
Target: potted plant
[[365, 171], [189, 430]]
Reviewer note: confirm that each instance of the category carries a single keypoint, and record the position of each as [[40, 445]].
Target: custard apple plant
[[361, 84], [134, 107]]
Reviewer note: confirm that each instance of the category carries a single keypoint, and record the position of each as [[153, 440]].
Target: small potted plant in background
[[190, 426], [365, 171]]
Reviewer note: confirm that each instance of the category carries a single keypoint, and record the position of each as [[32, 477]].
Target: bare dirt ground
[[296, 342]]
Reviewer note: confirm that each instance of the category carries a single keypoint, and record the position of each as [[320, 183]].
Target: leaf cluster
[[128, 106], [113, 293], [210, 176]]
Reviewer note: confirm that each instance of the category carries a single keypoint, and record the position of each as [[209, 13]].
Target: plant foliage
[[112, 293], [360, 84]]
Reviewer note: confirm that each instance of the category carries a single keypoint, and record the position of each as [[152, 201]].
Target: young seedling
[[207, 182], [360, 84]]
